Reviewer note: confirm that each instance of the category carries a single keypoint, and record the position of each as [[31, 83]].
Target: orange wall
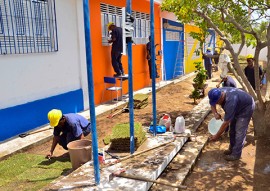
[[101, 54]]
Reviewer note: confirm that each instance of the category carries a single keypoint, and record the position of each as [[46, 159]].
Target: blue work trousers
[[238, 132], [116, 62], [208, 67]]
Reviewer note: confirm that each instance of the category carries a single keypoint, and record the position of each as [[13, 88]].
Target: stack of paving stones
[[140, 101], [120, 139]]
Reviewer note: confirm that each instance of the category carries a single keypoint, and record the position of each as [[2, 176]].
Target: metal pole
[[130, 87], [153, 62], [86, 12]]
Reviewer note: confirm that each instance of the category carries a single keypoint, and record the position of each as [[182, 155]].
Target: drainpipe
[[153, 62], [91, 98], [130, 87]]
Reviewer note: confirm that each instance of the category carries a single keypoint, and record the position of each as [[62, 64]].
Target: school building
[[43, 58]]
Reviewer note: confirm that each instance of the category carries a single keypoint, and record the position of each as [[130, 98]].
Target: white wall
[[28, 77], [249, 50]]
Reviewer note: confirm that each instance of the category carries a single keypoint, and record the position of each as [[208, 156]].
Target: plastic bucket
[[80, 152], [214, 125]]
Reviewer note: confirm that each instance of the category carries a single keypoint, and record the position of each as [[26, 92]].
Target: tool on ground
[[113, 156], [141, 152], [124, 109], [31, 133], [122, 174], [185, 135]]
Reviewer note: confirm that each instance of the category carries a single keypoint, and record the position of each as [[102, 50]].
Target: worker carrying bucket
[[67, 127], [238, 106]]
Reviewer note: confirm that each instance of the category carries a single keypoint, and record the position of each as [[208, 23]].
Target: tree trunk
[[261, 121]]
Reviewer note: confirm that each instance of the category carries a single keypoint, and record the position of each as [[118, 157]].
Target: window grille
[[110, 13], [27, 26]]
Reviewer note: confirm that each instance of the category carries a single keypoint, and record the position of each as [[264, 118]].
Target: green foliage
[[30, 172], [228, 18], [195, 95], [201, 75], [199, 81], [200, 37]]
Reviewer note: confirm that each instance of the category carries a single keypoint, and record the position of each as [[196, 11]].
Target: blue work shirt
[[75, 125], [117, 45], [237, 104], [229, 82], [208, 60]]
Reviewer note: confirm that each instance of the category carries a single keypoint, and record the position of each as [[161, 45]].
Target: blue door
[[173, 48]]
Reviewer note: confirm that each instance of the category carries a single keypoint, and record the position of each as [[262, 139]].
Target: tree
[[242, 21]]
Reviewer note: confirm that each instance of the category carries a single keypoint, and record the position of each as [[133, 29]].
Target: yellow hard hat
[[209, 48], [54, 117], [250, 56], [109, 24]]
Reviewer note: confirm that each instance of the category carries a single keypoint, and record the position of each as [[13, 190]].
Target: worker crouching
[[67, 128]]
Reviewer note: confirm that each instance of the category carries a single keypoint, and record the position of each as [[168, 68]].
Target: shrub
[[199, 81]]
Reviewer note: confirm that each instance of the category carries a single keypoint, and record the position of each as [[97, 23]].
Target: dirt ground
[[173, 99], [211, 171]]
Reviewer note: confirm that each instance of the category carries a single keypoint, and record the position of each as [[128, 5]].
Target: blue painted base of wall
[[18, 119]]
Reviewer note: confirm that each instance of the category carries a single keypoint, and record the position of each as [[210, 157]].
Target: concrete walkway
[[148, 165]]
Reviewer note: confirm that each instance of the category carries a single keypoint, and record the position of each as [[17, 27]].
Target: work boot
[[116, 75], [227, 152], [231, 158]]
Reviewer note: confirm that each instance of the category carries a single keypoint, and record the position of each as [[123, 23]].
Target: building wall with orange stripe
[[101, 55]]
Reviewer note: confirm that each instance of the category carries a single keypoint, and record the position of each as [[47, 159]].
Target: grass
[[30, 172], [120, 137]]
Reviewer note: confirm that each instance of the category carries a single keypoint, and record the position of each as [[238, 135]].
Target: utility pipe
[[130, 87], [91, 98], [153, 62]]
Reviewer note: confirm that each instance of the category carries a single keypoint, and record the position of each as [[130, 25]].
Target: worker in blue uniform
[[238, 106], [207, 56], [117, 48], [67, 127], [226, 81]]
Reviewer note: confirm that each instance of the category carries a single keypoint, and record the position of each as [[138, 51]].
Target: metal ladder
[[179, 61]]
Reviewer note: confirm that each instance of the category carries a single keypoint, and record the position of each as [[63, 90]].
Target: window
[[111, 13], [27, 26]]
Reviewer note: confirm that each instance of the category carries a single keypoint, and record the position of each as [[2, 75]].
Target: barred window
[[110, 13], [28, 26]]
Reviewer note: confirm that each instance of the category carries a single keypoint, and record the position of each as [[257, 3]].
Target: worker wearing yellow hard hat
[[67, 127], [109, 25], [249, 71], [250, 56], [54, 117]]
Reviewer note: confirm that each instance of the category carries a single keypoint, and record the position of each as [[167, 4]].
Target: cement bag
[[165, 120]]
